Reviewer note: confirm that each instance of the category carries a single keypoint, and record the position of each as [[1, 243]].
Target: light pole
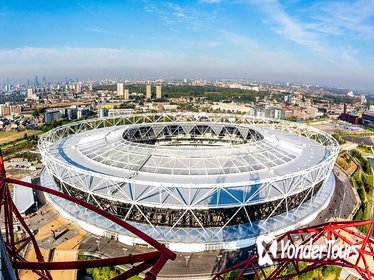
[[187, 260], [219, 257]]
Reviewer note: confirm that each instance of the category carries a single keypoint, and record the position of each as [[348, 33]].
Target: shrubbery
[[363, 181], [100, 273]]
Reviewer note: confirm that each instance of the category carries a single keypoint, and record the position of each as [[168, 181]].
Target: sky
[[320, 42]]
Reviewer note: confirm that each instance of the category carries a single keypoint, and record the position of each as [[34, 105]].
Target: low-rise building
[[51, 115]]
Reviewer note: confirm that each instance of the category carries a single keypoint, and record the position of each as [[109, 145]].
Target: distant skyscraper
[[158, 92], [362, 98], [148, 91], [120, 89], [44, 81], [29, 93], [36, 80], [126, 94], [78, 88], [7, 86], [90, 86]]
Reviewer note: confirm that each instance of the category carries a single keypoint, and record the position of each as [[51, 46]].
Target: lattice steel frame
[[343, 233], [152, 261], [284, 185]]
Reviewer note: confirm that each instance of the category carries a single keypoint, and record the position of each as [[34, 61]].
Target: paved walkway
[[64, 255]]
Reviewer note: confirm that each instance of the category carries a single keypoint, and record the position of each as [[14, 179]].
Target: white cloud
[[268, 62], [95, 29], [211, 1], [343, 18], [288, 26], [332, 64], [177, 16]]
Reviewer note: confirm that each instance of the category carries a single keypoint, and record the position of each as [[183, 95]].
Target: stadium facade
[[194, 181]]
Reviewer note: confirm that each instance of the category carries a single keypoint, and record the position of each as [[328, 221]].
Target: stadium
[[194, 181]]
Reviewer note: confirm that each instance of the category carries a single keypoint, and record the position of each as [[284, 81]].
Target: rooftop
[[247, 153]]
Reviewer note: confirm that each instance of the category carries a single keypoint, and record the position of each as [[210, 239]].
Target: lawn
[[362, 180], [12, 136], [345, 162], [365, 150]]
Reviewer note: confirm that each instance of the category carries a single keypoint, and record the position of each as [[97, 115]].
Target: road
[[343, 201]]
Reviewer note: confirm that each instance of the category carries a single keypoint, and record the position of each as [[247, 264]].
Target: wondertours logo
[[268, 249]]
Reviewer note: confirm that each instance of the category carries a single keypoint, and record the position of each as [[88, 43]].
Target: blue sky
[[324, 42]]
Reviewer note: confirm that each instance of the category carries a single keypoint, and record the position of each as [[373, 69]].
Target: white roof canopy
[[23, 197]]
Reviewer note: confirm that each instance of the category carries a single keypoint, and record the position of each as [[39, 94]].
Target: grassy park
[[8, 137], [13, 141], [363, 181]]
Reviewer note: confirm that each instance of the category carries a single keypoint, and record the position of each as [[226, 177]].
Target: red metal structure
[[152, 261], [345, 234]]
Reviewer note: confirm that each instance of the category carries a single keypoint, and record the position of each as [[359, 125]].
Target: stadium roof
[[105, 151], [23, 197]]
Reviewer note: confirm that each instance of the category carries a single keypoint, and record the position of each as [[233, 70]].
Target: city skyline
[[323, 42]]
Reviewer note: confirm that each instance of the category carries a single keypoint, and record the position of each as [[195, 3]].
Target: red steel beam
[[131, 259], [327, 231], [152, 260], [154, 243]]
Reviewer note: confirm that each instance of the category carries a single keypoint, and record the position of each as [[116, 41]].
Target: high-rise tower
[[120, 89], [158, 92], [78, 87], [148, 91]]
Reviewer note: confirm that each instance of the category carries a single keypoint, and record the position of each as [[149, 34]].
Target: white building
[[126, 94], [78, 88], [103, 112], [158, 92], [232, 107], [148, 91], [350, 94], [233, 173], [362, 98], [29, 93], [119, 112], [120, 89]]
